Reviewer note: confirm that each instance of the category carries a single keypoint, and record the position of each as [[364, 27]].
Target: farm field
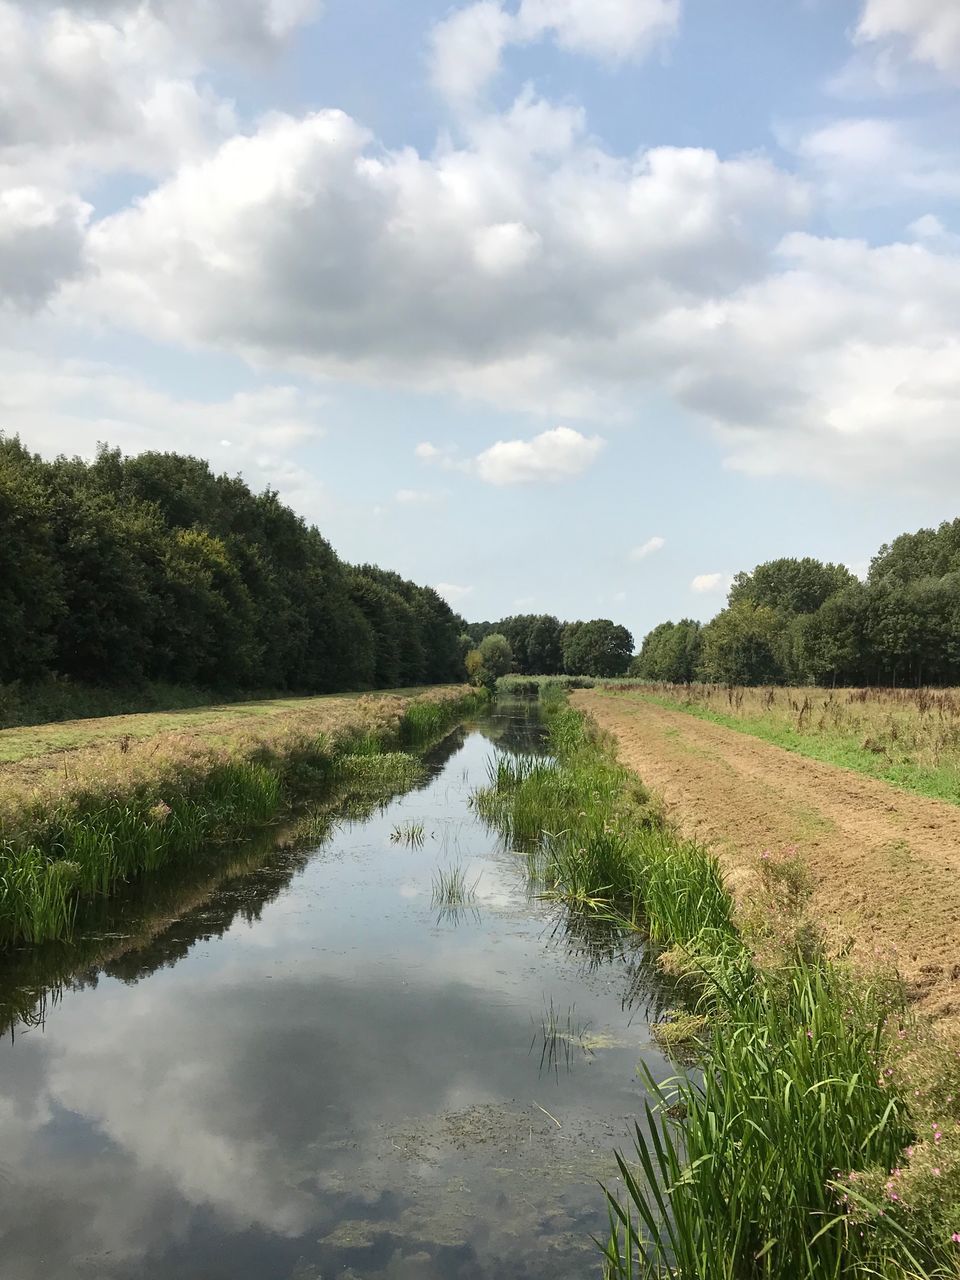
[[908, 737], [885, 863]]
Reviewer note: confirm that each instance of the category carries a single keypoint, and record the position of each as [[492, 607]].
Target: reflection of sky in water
[[347, 1082]]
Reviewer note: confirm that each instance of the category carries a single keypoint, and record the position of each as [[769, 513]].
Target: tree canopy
[[542, 645], [801, 621], [125, 570]]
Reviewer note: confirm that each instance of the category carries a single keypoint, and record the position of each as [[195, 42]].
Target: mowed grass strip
[[217, 722], [907, 737]]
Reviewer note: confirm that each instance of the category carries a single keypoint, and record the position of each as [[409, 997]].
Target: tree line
[[542, 645], [800, 621], [125, 570]]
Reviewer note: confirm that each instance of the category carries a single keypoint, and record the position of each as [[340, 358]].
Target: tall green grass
[[424, 722], [65, 855], [799, 1149]]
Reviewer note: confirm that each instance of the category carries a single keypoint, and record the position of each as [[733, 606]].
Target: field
[[885, 863], [908, 737], [218, 724], [87, 805]]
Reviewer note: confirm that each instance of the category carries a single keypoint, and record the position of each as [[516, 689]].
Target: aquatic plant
[[424, 721], [410, 833], [451, 888], [561, 1036]]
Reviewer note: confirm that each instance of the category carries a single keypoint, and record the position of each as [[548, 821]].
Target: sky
[[568, 306]]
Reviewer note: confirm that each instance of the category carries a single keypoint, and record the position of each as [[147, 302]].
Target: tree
[[670, 652], [790, 585], [596, 648], [831, 644], [544, 651], [928, 553], [31, 576], [740, 645], [491, 659]]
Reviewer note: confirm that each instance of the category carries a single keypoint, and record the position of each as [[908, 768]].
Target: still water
[[307, 1071]]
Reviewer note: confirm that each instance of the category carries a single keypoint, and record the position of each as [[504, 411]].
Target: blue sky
[[566, 305]]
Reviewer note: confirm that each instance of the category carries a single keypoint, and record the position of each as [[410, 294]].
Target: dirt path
[[886, 864]]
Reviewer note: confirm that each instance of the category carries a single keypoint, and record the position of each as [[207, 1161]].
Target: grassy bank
[[907, 737], [129, 933], [74, 826], [819, 1136], [52, 700]]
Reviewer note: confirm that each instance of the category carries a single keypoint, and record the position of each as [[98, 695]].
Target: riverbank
[[823, 1139], [130, 794], [885, 865]]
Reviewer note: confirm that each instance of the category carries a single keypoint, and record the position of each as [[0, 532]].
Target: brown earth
[[886, 864]]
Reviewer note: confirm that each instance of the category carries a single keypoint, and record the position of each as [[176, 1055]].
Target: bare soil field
[[886, 864]]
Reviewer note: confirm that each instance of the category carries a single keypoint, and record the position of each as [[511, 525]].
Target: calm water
[[307, 1072]]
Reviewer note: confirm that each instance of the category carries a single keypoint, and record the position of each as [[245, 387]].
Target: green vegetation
[[491, 659], [451, 888], [410, 833], [69, 837], [821, 1136], [128, 571], [798, 621], [542, 645], [907, 737], [515, 686], [51, 700]]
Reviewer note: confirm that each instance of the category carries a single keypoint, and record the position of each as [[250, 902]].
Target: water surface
[[311, 1072]]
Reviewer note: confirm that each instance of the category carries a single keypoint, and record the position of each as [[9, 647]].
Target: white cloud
[[69, 407], [927, 30], [705, 583], [597, 277], [41, 244], [656, 543], [82, 95], [553, 455], [467, 47], [931, 231], [452, 593], [210, 27], [844, 364], [576, 248], [866, 160]]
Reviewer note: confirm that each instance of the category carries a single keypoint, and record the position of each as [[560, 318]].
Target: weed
[[451, 888], [409, 833]]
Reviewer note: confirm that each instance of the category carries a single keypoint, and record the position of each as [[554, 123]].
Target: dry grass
[[123, 755], [218, 722], [910, 737]]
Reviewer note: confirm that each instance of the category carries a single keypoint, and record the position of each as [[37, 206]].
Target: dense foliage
[[126, 570], [542, 645], [803, 622]]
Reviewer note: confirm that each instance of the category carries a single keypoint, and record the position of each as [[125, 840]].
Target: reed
[[452, 888]]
